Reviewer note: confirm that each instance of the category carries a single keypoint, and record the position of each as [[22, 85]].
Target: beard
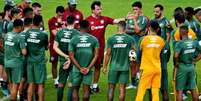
[[158, 16]]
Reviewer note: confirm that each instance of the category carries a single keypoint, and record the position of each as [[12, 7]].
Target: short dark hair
[[27, 11], [184, 27], [137, 4], [36, 4], [60, 9], [14, 11], [95, 3], [122, 24], [190, 10], [28, 21], [18, 23], [70, 20], [159, 6], [154, 25], [7, 8], [180, 18], [84, 24], [178, 10], [37, 20], [1, 14]]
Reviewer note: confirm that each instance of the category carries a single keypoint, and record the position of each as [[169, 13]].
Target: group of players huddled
[[140, 48]]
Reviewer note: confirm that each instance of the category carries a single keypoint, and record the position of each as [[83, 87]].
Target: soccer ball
[[132, 55]]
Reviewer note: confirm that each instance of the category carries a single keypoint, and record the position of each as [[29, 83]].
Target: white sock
[[95, 85]]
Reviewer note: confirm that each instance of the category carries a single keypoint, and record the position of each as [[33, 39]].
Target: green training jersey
[[37, 43], [83, 46], [164, 24], [120, 45], [10, 26], [187, 49], [63, 38], [13, 46], [142, 22]]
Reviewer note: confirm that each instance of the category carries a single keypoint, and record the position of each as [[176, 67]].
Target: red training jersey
[[77, 14]]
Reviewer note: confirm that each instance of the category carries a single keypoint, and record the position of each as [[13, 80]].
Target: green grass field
[[115, 9]]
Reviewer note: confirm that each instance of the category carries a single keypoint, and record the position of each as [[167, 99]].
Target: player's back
[[37, 42], [188, 48], [151, 46], [83, 46], [120, 45]]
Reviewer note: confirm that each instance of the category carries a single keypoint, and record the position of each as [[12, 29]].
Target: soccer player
[[15, 14], [15, 48], [98, 24], [23, 84], [164, 23], [37, 9], [193, 24], [28, 13], [118, 47], [150, 48], [54, 24], [83, 52], [184, 56], [137, 26], [71, 10], [6, 19], [37, 43], [198, 14], [176, 36], [61, 43], [165, 30]]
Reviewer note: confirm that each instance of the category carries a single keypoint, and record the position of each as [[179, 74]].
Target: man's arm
[[56, 48], [71, 54], [106, 60], [116, 21], [94, 58]]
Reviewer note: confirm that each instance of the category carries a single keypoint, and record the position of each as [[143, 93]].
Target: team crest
[[102, 21], [83, 38]]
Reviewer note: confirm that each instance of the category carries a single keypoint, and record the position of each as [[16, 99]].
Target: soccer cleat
[[184, 96], [96, 90], [200, 97], [131, 87]]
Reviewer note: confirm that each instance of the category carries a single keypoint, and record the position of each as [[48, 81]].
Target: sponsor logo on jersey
[[97, 27], [83, 39], [119, 45], [83, 44]]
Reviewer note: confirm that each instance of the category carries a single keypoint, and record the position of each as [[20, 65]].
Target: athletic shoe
[[96, 90], [184, 96], [200, 97], [131, 87]]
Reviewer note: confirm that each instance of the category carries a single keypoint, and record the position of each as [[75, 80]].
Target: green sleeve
[[46, 41], [178, 48], [143, 23], [71, 47], [109, 43], [138, 50], [22, 42], [57, 36]]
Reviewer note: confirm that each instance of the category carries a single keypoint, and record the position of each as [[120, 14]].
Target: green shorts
[[15, 74], [64, 74], [164, 79], [121, 77], [78, 78], [36, 73], [1, 60], [185, 77]]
